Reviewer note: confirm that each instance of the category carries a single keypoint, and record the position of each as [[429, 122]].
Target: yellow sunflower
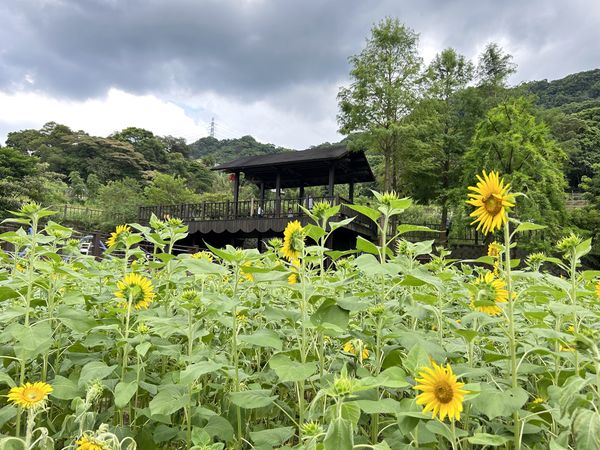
[[442, 394], [598, 289], [247, 275], [139, 287], [204, 255], [491, 289], [118, 233], [491, 198], [356, 347], [30, 395], [494, 249], [294, 277], [89, 443], [293, 240]]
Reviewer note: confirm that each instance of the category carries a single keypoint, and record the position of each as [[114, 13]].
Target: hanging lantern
[[232, 177]]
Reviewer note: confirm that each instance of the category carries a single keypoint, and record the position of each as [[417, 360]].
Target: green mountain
[[571, 108], [580, 88], [214, 151]]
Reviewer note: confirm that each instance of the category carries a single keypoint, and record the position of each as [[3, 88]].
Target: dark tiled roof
[[303, 168], [299, 156]]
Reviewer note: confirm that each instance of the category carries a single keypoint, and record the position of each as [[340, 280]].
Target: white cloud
[[98, 116], [270, 121]]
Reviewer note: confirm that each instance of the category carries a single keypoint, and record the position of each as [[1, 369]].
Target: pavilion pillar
[[236, 193], [351, 191], [301, 194], [261, 203], [331, 180], [278, 194]]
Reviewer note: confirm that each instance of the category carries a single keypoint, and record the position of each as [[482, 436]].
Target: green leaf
[[258, 398], [382, 406], [493, 440], [76, 319], [169, 399], [342, 223], [219, 427], [194, 371], [94, 370], [339, 435], [362, 245], [262, 338], [584, 248], [392, 377], [371, 213], [495, 403], [409, 228], [314, 232], [587, 429], [273, 437], [528, 226], [7, 293], [330, 315], [63, 388], [32, 341], [124, 392], [288, 370]]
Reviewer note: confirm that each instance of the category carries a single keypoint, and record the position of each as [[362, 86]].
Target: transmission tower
[[212, 128]]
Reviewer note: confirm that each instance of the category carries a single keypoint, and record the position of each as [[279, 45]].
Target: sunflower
[[293, 240], [494, 249], [89, 443], [247, 275], [117, 234], [491, 198], [204, 255], [442, 394], [492, 289], [356, 347], [139, 287], [598, 289], [30, 395], [294, 277]]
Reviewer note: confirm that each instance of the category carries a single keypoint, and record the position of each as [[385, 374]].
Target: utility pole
[[212, 128]]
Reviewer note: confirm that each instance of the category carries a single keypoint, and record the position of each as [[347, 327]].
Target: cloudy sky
[[269, 68]]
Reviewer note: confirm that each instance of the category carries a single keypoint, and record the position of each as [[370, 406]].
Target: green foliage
[[168, 190], [230, 353], [120, 198], [512, 141], [214, 151], [383, 90]]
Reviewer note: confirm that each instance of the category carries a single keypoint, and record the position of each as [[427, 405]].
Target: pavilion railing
[[245, 209]]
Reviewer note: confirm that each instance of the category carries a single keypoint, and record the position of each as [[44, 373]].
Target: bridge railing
[[247, 209]]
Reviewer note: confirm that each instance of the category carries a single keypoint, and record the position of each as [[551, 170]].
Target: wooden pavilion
[[231, 222]]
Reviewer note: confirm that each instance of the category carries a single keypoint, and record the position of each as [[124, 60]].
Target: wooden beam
[[278, 194], [330, 191], [236, 193], [351, 192]]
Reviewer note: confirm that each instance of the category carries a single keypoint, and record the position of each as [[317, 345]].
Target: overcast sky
[[269, 68]]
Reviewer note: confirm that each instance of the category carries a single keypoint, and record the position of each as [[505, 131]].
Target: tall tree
[[493, 70], [444, 130], [385, 78], [512, 141]]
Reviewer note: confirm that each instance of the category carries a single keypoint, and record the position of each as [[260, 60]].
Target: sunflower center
[[443, 392], [492, 205], [32, 396]]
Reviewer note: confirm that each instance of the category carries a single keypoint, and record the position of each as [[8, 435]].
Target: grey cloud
[[285, 52]]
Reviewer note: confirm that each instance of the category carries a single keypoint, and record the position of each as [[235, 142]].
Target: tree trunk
[[387, 175]]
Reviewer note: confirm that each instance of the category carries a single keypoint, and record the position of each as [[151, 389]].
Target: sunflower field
[[395, 346]]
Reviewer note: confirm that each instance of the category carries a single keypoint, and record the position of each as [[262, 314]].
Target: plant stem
[[511, 332], [574, 302]]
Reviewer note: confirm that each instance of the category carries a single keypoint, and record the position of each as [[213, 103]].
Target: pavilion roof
[[303, 168]]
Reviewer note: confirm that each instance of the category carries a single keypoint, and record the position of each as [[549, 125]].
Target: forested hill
[[579, 87], [214, 151]]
